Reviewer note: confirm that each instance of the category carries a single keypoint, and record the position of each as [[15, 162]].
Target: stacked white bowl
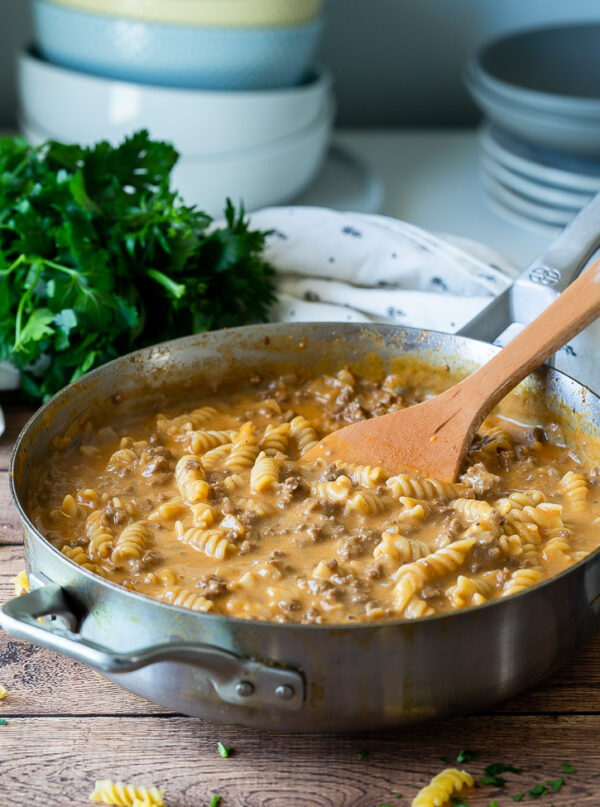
[[540, 145], [232, 85]]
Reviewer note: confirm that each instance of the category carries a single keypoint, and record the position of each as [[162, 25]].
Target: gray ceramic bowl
[[571, 134], [554, 70]]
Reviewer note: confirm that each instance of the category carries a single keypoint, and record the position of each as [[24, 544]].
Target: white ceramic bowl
[[259, 177], [85, 108]]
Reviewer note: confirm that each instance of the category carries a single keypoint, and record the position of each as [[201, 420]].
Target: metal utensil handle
[[558, 265], [543, 280], [244, 682]]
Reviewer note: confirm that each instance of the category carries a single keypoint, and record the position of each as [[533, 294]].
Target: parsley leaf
[[519, 796], [98, 256], [537, 791], [555, 784], [491, 772], [214, 802], [3, 722], [458, 801], [465, 756], [568, 768], [224, 750], [363, 753]]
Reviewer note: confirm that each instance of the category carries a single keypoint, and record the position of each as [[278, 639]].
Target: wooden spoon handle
[[568, 315]]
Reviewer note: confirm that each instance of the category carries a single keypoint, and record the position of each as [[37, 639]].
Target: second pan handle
[[544, 279]]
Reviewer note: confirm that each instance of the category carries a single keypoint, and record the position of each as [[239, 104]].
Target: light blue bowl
[[175, 56]]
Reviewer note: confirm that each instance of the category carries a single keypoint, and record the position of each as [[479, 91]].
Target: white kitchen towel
[[356, 267]]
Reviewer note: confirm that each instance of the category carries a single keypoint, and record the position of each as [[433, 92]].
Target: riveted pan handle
[[243, 682]]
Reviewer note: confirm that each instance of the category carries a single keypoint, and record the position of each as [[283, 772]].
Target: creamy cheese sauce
[[210, 508]]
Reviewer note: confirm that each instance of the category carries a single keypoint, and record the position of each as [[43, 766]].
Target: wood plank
[[41, 682], [54, 761], [16, 416]]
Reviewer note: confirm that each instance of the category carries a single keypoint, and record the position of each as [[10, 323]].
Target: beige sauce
[[211, 509]]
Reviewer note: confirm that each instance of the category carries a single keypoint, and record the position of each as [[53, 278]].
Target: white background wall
[[396, 62]]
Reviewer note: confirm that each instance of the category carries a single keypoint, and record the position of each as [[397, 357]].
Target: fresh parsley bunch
[[99, 256]]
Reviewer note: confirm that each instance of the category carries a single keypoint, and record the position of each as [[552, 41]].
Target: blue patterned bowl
[[175, 56]]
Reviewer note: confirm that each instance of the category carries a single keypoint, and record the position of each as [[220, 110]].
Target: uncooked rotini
[[121, 795], [441, 788]]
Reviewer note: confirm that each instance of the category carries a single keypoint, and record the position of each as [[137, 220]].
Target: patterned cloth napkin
[[355, 267]]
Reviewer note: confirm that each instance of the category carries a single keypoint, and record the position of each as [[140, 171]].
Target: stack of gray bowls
[[540, 142]]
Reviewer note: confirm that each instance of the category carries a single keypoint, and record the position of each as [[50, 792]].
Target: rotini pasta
[[213, 508], [303, 433], [116, 793], [243, 450], [191, 479], [438, 792], [213, 543], [404, 485], [264, 473], [131, 543]]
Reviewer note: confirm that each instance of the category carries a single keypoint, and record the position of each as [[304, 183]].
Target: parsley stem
[[22, 303], [17, 262]]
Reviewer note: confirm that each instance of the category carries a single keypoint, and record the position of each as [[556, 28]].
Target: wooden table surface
[[67, 726]]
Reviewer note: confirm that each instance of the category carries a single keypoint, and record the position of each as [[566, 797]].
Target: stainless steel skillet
[[300, 677]]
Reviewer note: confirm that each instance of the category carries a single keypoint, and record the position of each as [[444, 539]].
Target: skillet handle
[[543, 280], [243, 682]]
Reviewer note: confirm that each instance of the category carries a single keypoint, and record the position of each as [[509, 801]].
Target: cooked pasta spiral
[[190, 478], [131, 543], [213, 543], [76, 554], [186, 598], [303, 433], [243, 450], [275, 439], [186, 422], [473, 509], [410, 578], [575, 489], [212, 458], [405, 485], [369, 476], [202, 441], [265, 473], [335, 492], [520, 580], [366, 502]]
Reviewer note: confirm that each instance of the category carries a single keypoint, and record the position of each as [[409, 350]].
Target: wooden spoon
[[433, 437]]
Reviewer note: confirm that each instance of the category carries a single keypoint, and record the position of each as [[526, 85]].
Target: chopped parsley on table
[[224, 750], [3, 722], [568, 768], [364, 752], [98, 257], [465, 755], [538, 790], [214, 802]]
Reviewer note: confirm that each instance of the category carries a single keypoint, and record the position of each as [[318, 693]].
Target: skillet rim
[[97, 579]]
